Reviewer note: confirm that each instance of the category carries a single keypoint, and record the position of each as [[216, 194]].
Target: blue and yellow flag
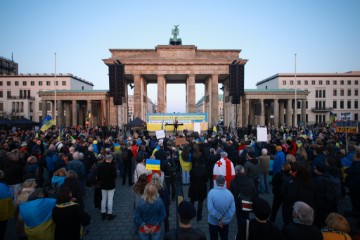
[[46, 123], [152, 164], [214, 130], [61, 133], [37, 216], [7, 207], [332, 117]]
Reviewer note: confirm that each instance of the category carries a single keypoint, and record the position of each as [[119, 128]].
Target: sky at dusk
[[325, 35]]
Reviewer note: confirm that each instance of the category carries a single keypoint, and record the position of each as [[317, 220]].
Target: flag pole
[[55, 93], [295, 104]]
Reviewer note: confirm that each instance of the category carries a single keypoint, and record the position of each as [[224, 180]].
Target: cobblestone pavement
[[122, 226]]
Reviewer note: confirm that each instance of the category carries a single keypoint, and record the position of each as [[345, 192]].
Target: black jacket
[[106, 176], [242, 187], [296, 231], [185, 234]]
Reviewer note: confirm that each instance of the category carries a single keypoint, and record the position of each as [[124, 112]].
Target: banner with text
[[167, 121]]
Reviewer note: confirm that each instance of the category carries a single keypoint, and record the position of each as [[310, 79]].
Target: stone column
[[43, 109], [88, 109], [67, 118], [138, 98], [281, 111], [276, 113], [60, 110], [103, 113], [262, 114], [214, 102], [303, 111], [247, 112], [161, 94], [288, 113], [53, 113], [74, 113], [190, 94], [251, 113], [294, 118], [81, 114], [239, 112]]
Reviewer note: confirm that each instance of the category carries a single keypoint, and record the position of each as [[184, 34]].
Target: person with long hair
[[68, 216], [149, 214], [336, 227]]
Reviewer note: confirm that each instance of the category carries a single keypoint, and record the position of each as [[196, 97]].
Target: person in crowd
[[185, 157], [13, 169], [165, 197], [336, 227], [140, 167], [186, 212], [259, 228], [37, 216], [225, 168], [57, 180], [149, 214], [221, 209], [243, 189], [106, 176], [72, 181], [6, 205], [352, 181], [319, 158], [138, 188], [279, 159], [300, 189], [93, 181], [302, 228], [127, 156], [198, 180], [264, 160], [169, 167], [27, 188], [280, 183], [252, 168], [68, 216], [78, 166], [211, 160], [33, 169]]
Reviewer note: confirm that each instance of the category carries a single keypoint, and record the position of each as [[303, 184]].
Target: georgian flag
[[226, 168]]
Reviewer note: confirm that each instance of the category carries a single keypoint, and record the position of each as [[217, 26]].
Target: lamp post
[[295, 104], [55, 93]]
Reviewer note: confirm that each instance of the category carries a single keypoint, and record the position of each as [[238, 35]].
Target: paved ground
[[121, 226]]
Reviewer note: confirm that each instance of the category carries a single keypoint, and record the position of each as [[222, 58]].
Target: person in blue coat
[[279, 160]]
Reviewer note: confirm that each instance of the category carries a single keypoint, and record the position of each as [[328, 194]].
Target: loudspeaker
[[117, 83], [236, 82], [112, 69]]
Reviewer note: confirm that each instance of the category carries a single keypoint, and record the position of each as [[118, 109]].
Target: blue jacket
[[150, 213], [51, 158], [221, 204], [278, 161]]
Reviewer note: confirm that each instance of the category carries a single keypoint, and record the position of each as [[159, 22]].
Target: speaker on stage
[[236, 82]]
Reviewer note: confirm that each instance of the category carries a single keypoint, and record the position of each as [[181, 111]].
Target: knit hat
[[220, 180], [261, 208], [186, 210]]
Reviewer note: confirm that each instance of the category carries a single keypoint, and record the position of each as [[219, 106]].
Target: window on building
[[349, 82], [342, 104], [20, 93], [64, 83], [284, 82], [40, 83], [307, 105], [316, 94], [356, 92], [356, 117], [8, 94], [320, 82], [316, 104], [82, 87], [306, 82], [334, 92], [334, 104], [40, 106], [313, 82], [24, 83], [48, 106], [16, 83], [324, 93], [342, 92], [327, 82], [349, 92], [342, 82], [1, 94], [1, 107], [320, 94], [31, 106], [32, 83], [349, 104], [8, 83], [356, 82], [356, 104], [47, 83], [291, 82], [56, 83], [298, 82], [1, 83], [334, 82]]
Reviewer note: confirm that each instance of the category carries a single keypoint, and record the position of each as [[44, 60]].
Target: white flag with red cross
[[226, 168]]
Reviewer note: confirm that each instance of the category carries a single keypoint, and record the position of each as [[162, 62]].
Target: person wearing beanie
[[221, 209], [279, 160], [259, 228], [186, 212]]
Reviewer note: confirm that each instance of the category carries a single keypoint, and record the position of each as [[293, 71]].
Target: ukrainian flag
[[214, 130], [46, 123], [152, 164], [61, 133], [6, 203], [332, 117], [37, 216]]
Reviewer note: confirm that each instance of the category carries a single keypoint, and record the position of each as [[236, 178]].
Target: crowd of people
[[43, 178]]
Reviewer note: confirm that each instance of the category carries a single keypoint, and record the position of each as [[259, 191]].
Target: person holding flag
[[224, 167], [45, 124]]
